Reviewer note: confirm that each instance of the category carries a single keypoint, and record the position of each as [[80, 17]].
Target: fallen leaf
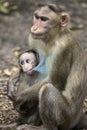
[[16, 53], [15, 69], [7, 72]]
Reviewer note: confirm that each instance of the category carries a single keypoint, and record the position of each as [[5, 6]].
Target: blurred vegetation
[[6, 7]]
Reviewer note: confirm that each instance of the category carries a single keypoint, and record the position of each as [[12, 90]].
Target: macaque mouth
[[29, 71], [37, 34]]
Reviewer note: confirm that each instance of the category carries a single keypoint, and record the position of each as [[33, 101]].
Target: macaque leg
[[29, 127], [82, 124], [83, 121], [53, 107]]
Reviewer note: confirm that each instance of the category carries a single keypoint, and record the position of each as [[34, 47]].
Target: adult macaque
[[61, 93], [27, 75]]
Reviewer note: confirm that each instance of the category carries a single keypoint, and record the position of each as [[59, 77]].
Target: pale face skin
[[28, 62]]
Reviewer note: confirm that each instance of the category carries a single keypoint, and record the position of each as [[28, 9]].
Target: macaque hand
[[12, 96], [23, 103], [21, 98]]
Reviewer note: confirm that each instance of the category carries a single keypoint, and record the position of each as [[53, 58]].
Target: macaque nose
[[27, 67], [37, 25], [35, 28]]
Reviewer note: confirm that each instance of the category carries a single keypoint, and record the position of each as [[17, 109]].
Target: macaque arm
[[11, 85], [73, 91], [32, 92]]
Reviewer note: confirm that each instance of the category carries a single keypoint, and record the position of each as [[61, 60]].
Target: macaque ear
[[64, 19]]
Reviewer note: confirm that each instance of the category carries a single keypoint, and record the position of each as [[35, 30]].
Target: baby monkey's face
[[27, 62]]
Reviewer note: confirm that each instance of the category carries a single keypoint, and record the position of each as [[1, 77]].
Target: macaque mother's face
[[27, 62]]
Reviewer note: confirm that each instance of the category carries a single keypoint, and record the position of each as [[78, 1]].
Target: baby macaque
[[27, 62], [27, 75]]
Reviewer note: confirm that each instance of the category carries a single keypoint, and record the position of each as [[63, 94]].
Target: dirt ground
[[14, 31]]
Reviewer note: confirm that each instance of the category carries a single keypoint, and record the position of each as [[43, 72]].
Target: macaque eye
[[27, 60], [22, 62], [36, 16], [44, 18]]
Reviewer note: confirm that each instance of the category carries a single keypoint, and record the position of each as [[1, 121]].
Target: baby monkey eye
[[27, 60], [22, 62]]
